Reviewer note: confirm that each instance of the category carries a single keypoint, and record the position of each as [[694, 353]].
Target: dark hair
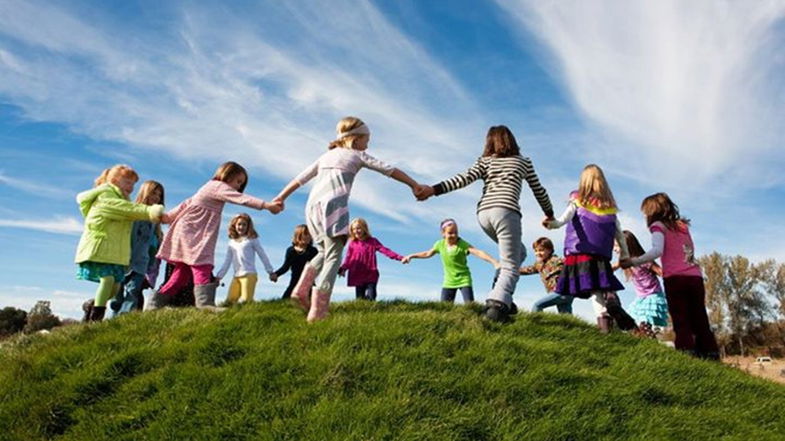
[[228, 170], [660, 208], [633, 246], [500, 142], [543, 242]]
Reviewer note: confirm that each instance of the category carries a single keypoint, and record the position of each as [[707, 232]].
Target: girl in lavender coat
[[360, 260]]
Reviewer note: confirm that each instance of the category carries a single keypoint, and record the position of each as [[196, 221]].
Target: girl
[[327, 209], [592, 226], [453, 251], [682, 277], [297, 255], [243, 244], [360, 260], [503, 170], [105, 249], [649, 307], [190, 242], [144, 235]]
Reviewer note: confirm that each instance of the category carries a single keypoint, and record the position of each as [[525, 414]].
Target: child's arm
[[227, 261], [257, 246], [657, 247], [121, 209], [540, 193], [624, 254], [565, 217], [347, 260], [484, 256], [228, 194], [306, 175], [475, 172], [656, 269], [421, 255], [528, 270], [386, 251], [287, 263]]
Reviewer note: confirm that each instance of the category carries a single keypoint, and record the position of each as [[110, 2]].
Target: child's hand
[[423, 192], [274, 207], [273, 277], [546, 222], [156, 213], [342, 272], [406, 259]]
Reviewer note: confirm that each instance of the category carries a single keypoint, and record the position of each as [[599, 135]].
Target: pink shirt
[[645, 280], [195, 222], [678, 254], [360, 260]]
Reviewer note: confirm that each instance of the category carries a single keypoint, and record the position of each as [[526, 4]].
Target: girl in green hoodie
[[104, 249]]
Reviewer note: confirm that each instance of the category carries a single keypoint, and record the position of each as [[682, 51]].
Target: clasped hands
[[422, 192]]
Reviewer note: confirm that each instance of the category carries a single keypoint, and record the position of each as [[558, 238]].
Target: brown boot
[[303, 288], [320, 304], [97, 313], [604, 323]]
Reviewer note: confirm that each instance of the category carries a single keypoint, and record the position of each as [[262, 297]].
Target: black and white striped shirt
[[503, 179]]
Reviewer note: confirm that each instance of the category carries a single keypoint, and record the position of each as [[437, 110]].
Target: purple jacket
[[591, 231], [360, 260]]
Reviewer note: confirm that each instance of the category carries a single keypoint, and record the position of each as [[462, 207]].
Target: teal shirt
[[456, 269]]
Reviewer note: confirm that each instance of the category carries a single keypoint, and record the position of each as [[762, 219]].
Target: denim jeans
[[562, 303], [129, 297], [448, 294]]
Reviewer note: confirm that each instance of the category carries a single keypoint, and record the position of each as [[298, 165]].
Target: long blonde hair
[[250, 233], [143, 197], [593, 189], [346, 124], [363, 226]]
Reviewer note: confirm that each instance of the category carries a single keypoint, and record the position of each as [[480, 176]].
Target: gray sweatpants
[[327, 261], [503, 226]]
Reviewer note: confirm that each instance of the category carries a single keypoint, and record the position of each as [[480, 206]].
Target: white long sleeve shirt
[[242, 255]]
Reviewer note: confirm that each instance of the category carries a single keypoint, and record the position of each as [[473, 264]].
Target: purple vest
[[590, 233]]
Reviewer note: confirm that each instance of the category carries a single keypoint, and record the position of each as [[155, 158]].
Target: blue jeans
[[448, 294], [129, 296], [562, 303], [366, 292]]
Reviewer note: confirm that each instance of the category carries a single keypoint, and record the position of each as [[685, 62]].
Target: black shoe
[[497, 311], [513, 308], [97, 314]]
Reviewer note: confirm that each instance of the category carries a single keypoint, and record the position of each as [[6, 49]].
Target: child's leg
[[503, 226], [234, 291], [679, 311], [248, 287], [302, 289], [549, 300], [448, 294], [705, 343], [106, 290], [467, 292], [133, 292], [564, 306], [359, 292], [202, 274], [615, 310], [333, 250], [370, 291], [180, 277]]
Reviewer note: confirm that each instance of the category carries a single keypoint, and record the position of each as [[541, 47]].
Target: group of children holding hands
[[107, 256]]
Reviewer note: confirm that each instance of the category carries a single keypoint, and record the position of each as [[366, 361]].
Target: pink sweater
[[360, 260], [195, 223]]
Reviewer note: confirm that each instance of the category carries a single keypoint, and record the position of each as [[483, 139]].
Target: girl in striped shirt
[[503, 170], [327, 209]]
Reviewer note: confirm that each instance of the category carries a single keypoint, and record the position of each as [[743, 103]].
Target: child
[[549, 266], [327, 209], [503, 170], [592, 226], [453, 251], [190, 241], [682, 277], [297, 255], [649, 307], [360, 260], [243, 244], [105, 248], [143, 237]]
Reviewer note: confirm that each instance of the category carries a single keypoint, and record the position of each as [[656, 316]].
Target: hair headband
[[362, 129], [446, 223]]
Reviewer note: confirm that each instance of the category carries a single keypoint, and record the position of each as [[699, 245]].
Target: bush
[[12, 320], [41, 317]]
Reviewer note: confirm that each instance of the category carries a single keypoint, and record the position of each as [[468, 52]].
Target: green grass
[[381, 371]]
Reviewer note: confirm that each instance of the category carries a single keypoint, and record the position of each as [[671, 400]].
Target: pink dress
[[360, 260], [195, 223]]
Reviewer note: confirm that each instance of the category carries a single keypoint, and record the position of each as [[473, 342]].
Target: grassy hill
[[383, 371]]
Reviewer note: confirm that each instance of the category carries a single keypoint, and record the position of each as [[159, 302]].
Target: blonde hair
[[346, 124], [363, 226], [143, 197], [229, 170], [300, 233], [251, 233], [593, 189], [113, 174]]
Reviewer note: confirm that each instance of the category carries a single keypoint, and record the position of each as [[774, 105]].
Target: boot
[[497, 311], [87, 308], [303, 288], [604, 323], [156, 301], [320, 304], [205, 297], [97, 313]]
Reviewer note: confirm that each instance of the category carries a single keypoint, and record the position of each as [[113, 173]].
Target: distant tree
[[12, 320], [41, 317], [774, 282]]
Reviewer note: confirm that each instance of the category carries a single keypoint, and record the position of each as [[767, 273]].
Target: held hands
[[406, 259], [157, 213], [273, 277], [423, 192], [342, 272], [546, 221], [273, 207]]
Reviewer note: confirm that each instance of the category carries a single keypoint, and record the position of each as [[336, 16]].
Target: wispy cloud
[[684, 90], [34, 187], [58, 225]]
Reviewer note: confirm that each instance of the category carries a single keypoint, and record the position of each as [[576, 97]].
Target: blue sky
[[665, 96]]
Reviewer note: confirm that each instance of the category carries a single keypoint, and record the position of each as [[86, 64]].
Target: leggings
[[242, 288], [366, 291], [327, 262], [107, 288], [448, 294], [183, 274]]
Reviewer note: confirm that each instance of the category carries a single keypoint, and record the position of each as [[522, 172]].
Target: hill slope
[[372, 371]]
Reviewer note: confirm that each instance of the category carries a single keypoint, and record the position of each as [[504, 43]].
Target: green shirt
[[456, 270]]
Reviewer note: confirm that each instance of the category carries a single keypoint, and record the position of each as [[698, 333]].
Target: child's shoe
[[97, 313], [604, 324], [320, 304], [303, 288], [156, 301], [496, 311], [87, 308], [205, 297]]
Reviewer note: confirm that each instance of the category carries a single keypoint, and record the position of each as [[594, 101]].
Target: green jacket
[[108, 220]]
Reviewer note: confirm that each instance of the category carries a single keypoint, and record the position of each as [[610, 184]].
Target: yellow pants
[[242, 288]]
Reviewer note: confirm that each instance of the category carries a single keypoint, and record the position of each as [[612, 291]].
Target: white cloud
[[684, 90], [58, 225], [34, 188]]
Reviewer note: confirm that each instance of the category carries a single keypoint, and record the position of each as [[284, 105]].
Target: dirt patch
[[774, 371]]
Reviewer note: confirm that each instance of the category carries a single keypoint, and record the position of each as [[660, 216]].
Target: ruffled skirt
[[584, 274], [652, 309]]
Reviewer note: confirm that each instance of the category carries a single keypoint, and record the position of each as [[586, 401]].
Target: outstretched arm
[[484, 256], [569, 212], [420, 255]]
